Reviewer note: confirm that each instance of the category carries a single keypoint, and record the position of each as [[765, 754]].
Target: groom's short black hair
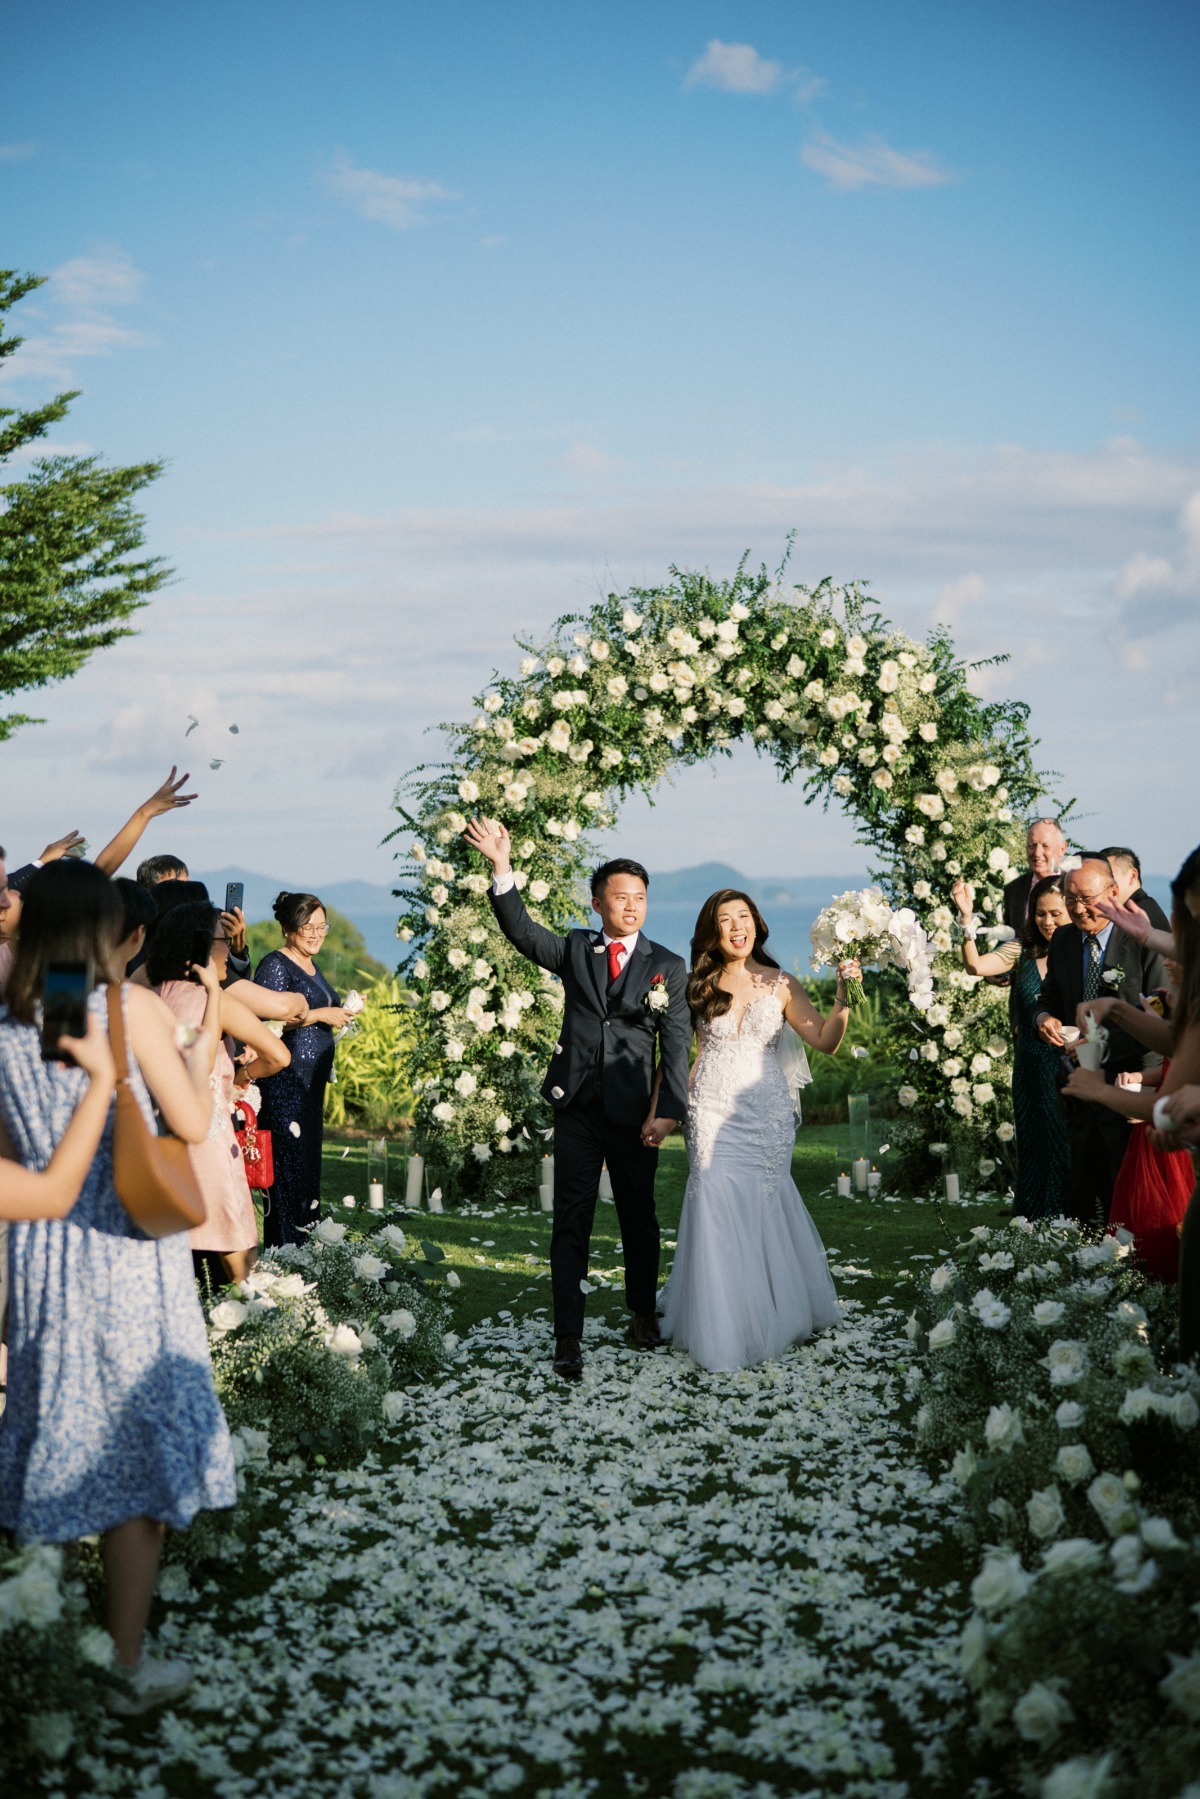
[[620, 865]]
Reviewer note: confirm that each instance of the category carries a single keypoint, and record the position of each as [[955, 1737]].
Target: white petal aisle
[[661, 1581]]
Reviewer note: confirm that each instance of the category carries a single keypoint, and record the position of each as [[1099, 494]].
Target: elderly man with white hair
[[1045, 847]]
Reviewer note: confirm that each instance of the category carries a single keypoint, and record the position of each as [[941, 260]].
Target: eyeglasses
[[313, 930]]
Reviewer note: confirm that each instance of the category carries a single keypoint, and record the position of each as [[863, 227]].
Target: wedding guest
[[166, 798], [1043, 1156], [1127, 873], [161, 868], [1045, 847], [138, 913], [193, 992], [112, 1426], [293, 1103], [1153, 1185], [1182, 1082], [1088, 959]]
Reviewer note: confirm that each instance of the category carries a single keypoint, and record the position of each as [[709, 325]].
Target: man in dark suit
[[1090, 959], [1045, 847], [1127, 873], [625, 1008]]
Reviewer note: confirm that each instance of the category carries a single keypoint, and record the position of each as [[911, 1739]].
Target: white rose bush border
[[1046, 1389], [660, 678]]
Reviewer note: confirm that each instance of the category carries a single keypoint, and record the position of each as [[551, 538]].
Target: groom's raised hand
[[491, 839]]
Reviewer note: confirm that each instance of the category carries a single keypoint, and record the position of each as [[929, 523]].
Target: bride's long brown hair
[[706, 999]]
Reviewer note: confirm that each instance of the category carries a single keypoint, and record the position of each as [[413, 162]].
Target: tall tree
[[69, 573]]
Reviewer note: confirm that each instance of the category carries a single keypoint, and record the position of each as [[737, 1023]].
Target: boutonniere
[[1112, 977], [659, 998]]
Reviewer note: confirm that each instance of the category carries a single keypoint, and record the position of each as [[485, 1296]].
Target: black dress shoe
[[643, 1329], [568, 1358]]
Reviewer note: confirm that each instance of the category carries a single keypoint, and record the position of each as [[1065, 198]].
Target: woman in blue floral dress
[[293, 1101], [113, 1426]]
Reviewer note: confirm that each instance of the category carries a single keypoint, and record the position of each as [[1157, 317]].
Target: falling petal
[[234, 730], [294, 1128], [345, 1152], [586, 1287], [216, 762], [192, 725]]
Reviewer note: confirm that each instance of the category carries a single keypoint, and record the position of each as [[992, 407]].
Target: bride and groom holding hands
[[750, 1275]]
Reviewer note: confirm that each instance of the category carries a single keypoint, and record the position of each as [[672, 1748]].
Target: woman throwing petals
[[750, 1274]]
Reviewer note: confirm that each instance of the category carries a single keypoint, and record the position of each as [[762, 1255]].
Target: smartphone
[[64, 1004], [235, 892], [201, 949]]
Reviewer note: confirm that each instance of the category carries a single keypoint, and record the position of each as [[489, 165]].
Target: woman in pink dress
[[192, 990]]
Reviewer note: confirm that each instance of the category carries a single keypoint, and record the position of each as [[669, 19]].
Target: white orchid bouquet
[[862, 926]]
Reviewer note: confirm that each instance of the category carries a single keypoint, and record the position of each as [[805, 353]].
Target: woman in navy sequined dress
[[293, 1101]]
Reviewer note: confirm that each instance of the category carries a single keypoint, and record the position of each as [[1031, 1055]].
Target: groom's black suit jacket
[[607, 1036]]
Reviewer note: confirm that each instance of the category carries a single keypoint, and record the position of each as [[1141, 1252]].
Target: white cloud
[[589, 464], [739, 69], [395, 200], [955, 597], [873, 163], [1157, 592], [18, 152], [81, 296]]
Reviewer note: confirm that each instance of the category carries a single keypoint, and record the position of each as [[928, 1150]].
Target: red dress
[[1150, 1196]]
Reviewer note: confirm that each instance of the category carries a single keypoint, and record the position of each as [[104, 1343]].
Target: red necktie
[[615, 952]]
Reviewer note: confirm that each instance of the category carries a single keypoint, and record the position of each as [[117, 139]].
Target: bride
[[750, 1275]]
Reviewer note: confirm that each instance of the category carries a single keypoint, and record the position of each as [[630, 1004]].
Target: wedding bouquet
[[863, 927], [353, 1003]]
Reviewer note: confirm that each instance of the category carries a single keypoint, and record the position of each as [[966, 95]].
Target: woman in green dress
[[1042, 1154]]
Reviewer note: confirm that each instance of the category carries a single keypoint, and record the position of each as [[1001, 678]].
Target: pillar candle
[[415, 1182], [843, 1186], [952, 1187], [861, 1170], [375, 1196], [435, 1200], [546, 1195], [873, 1181]]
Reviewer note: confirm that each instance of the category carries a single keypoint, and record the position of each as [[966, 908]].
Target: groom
[[623, 995]]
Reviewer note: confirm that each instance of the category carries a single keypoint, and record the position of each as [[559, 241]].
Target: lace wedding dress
[[750, 1274]]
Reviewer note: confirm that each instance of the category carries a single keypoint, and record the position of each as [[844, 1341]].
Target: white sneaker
[[154, 1681]]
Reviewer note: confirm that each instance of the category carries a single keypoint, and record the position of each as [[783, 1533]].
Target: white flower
[[400, 1323], [908, 1096], [329, 1231], [998, 860], [1073, 1555], [972, 1651], [482, 1152], [341, 1340], [468, 791], [927, 683], [1080, 1778], [963, 1466], [450, 1343], [1067, 1361], [539, 891], [507, 1049], [941, 1277], [943, 1334], [50, 1734], [394, 1406], [1041, 1713], [393, 1236], [1005, 1131], [369, 1267], [630, 621], [1003, 1428], [1109, 1499], [1044, 1509], [228, 1314], [1047, 1311], [1181, 1687], [991, 1312], [1074, 1463], [996, 1261], [1000, 1583], [931, 804], [443, 1112], [984, 1093], [1184, 1411], [438, 1000], [889, 677], [1070, 1415], [559, 737], [466, 1084]]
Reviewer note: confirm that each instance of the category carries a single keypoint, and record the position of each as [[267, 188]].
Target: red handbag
[[257, 1156]]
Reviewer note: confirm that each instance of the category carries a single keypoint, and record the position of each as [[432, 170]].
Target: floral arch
[[659, 678]]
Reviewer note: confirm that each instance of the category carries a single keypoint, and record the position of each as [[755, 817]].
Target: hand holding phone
[[64, 1004], [235, 892]]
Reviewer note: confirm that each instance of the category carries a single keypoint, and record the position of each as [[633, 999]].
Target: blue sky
[[446, 317]]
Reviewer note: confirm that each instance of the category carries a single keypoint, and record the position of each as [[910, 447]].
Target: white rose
[[1074, 1463], [1070, 1415], [908, 1096], [941, 1277], [394, 1406], [1000, 1583], [443, 1112], [972, 1651], [1044, 1509], [1067, 1361], [1184, 1411], [1041, 1713], [1181, 1687], [400, 1323], [329, 1231], [943, 1333], [228, 1314], [1073, 1555], [1003, 1428], [369, 1267], [1047, 1311], [1005, 1132], [341, 1340], [1110, 1501]]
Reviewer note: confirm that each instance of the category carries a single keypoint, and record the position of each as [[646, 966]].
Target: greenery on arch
[[657, 678]]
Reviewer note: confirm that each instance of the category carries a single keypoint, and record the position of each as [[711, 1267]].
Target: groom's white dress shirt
[[503, 883]]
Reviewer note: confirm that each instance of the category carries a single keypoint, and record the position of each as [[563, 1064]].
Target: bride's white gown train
[[750, 1274]]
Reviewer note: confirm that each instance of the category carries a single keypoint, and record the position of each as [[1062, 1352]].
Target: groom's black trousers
[[584, 1139]]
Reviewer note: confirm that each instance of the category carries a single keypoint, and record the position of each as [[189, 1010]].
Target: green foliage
[[69, 575], [345, 961], [836, 1077], [371, 1089]]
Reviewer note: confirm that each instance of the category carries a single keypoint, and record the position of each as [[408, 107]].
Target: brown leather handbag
[[153, 1175]]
